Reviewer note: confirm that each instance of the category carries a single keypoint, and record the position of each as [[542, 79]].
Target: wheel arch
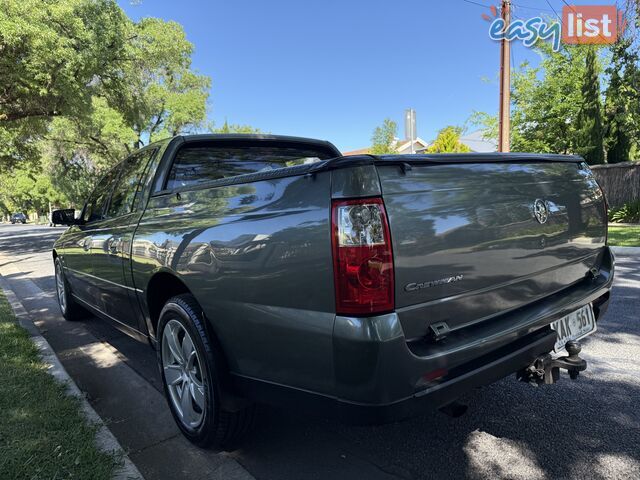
[[161, 287], [164, 285]]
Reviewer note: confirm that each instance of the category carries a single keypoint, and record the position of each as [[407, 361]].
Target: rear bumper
[[490, 370], [380, 377]]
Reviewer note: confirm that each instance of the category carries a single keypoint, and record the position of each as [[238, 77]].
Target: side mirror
[[66, 216]]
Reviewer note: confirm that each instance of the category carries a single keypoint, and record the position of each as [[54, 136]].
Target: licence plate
[[574, 326]]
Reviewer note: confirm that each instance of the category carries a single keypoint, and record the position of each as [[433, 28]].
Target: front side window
[[97, 203], [129, 183], [195, 165]]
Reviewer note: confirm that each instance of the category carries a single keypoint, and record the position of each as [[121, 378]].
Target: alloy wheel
[[60, 288], [183, 374]]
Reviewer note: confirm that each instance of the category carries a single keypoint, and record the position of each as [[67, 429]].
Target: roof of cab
[[256, 137], [223, 137]]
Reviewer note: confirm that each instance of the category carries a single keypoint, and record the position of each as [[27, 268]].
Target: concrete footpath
[[138, 416]]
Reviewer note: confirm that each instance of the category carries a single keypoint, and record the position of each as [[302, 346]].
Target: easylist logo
[[581, 25], [591, 24]]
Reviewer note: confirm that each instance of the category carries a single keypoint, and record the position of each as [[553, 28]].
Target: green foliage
[[487, 122], [622, 106], [589, 125], [82, 86], [448, 141], [234, 128], [154, 96], [547, 101], [383, 140], [51, 54], [157, 93], [628, 213], [28, 191], [557, 106], [624, 236]]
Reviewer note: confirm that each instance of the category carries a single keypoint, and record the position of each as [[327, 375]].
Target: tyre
[[192, 369], [70, 309]]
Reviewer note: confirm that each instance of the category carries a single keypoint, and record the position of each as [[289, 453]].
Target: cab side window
[[194, 165], [129, 184], [95, 208]]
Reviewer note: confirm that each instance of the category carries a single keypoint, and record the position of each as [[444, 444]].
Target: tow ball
[[546, 369]]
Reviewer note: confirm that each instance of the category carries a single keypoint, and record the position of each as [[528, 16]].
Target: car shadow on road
[[589, 428], [511, 431]]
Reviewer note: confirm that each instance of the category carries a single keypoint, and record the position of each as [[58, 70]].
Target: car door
[[78, 240], [111, 242]]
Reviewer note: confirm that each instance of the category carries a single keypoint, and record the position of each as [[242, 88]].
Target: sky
[[335, 70]]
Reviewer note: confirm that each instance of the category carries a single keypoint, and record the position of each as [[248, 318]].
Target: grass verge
[[624, 236], [43, 433]]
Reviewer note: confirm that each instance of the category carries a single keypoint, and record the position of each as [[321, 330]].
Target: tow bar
[[546, 369]]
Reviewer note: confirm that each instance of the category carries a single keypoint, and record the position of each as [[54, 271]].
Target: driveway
[[584, 429]]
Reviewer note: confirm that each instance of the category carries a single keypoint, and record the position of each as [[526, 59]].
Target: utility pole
[[505, 83]]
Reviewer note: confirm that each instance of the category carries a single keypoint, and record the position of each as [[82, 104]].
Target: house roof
[[400, 145], [405, 144], [361, 151]]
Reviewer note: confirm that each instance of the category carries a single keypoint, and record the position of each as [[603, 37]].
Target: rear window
[[195, 165]]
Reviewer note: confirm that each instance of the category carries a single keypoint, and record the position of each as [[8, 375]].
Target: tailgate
[[474, 240]]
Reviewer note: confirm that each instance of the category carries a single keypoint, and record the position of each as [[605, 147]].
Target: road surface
[[584, 429]]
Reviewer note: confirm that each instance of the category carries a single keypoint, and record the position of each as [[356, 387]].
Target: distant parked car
[[51, 221], [18, 217]]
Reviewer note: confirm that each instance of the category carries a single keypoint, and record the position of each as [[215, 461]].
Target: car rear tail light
[[362, 257]]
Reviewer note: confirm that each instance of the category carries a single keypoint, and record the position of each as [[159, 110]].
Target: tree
[[487, 122], [622, 104], [383, 140], [28, 191], [589, 123], [82, 86], [234, 128], [73, 169], [51, 56], [448, 141], [547, 101], [157, 94]]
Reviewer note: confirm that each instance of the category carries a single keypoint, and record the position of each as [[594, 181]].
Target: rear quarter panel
[[257, 257]]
